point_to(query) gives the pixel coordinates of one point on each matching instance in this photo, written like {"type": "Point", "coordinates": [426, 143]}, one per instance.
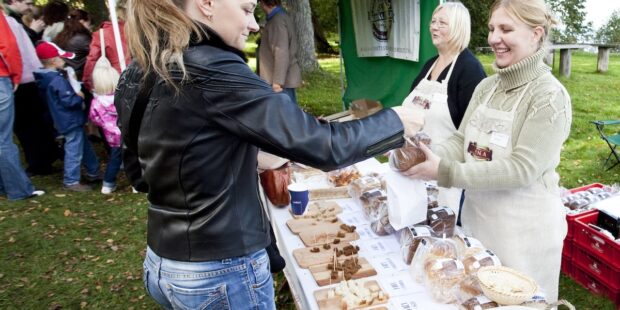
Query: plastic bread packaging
{"type": "Point", "coordinates": [365, 183]}
{"type": "Point", "coordinates": [380, 225]}
{"type": "Point", "coordinates": [479, 302]}
{"type": "Point", "coordinates": [481, 259]}
{"type": "Point", "coordinates": [432, 192]}
{"type": "Point", "coordinates": [410, 154]}
{"type": "Point", "coordinates": [409, 239]}
{"type": "Point", "coordinates": [344, 176]}
{"type": "Point", "coordinates": [431, 249]}
{"type": "Point", "coordinates": [372, 201]}
{"type": "Point", "coordinates": [466, 289]}
{"type": "Point", "coordinates": [442, 220]}
{"type": "Point", "coordinates": [441, 275]}
{"type": "Point", "coordinates": [467, 246]}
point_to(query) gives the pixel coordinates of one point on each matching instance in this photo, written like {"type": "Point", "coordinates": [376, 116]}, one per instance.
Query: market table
{"type": "Point", "coordinates": [565, 56]}
{"type": "Point", "coordinates": [383, 253]}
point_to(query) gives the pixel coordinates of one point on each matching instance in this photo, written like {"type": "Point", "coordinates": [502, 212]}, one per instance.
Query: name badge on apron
{"type": "Point", "coordinates": [499, 139]}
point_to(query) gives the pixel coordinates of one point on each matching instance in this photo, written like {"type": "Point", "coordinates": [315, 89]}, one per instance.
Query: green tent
{"type": "Point", "coordinates": [384, 79]}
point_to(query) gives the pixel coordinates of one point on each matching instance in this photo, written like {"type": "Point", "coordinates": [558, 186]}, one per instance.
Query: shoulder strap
{"type": "Point", "coordinates": [102, 43]}
{"type": "Point", "coordinates": [137, 112]}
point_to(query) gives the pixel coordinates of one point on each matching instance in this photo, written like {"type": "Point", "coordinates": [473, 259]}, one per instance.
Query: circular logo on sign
{"type": "Point", "coordinates": [381, 17]}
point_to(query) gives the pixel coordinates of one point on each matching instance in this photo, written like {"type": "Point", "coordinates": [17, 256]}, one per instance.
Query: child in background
{"type": "Point", "coordinates": [103, 114]}
{"type": "Point", "coordinates": [67, 109]}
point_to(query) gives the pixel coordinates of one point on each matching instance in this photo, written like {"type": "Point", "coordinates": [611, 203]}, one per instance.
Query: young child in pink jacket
{"type": "Point", "coordinates": [103, 114]}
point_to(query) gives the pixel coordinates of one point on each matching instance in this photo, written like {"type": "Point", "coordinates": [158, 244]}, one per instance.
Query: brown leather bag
{"type": "Point", "coordinates": [275, 184]}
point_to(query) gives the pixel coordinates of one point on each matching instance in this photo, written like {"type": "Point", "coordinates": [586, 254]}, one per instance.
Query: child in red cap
{"type": "Point", "coordinates": [69, 115]}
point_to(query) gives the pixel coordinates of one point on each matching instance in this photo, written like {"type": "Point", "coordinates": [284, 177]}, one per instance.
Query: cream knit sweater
{"type": "Point", "coordinates": [542, 124]}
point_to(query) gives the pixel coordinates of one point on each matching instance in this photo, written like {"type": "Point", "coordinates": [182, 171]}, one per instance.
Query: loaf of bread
{"type": "Point", "coordinates": [481, 259]}
{"type": "Point", "coordinates": [409, 239]}
{"type": "Point", "coordinates": [442, 220]}
{"type": "Point", "coordinates": [467, 246]}
{"type": "Point", "coordinates": [381, 223]}
{"type": "Point", "coordinates": [441, 276]}
{"type": "Point", "coordinates": [363, 184]}
{"type": "Point", "coordinates": [372, 201]}
{"type": "Point", "coordinates": [479, 302]}
{"type": "Point", "coordinates": [467, 288]}
{"type": "Point", "coordinates": [410, 154]}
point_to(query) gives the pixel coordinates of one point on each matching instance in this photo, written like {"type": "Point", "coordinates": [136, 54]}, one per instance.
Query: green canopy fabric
{"type": "Point", "coordinates": [384, 79]}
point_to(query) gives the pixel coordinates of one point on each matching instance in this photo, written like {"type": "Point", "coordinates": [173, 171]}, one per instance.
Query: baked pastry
{"type": "Point", "coordinates": [410, 154]}
{"type": "Point", "coordinates": [343, 177]}
{"type": "Point", "coordinates": [482, 259]}
{"type": "Point", "coordinates": [410, 238]}
{"type": "Point", "coordinates": [442, 220]}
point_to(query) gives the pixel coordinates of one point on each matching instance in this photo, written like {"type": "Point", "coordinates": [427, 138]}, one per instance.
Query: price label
{"type": "Point", "coordinates": [400, 285]}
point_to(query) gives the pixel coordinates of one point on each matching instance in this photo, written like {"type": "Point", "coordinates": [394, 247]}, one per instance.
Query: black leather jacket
{"type": "Point", "coordinates": [198, 151]}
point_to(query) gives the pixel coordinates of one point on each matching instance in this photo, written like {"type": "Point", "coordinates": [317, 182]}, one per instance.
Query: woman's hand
{"type": "Point", "coordinates": [412, 120]}
{"type": "Point", "coordinates": [428, 170]}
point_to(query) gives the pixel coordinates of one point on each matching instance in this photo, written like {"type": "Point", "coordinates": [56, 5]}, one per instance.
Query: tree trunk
{"type": "Point", "coordinates": [302, 17]}
{"type": "Point", "coordinates": [322, 45]}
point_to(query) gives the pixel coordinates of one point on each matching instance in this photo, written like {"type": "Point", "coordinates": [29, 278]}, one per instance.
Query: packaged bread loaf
{"type": "Point", "coordinates": [479, 302]}
{"type": "Point", "coordinates": [409, 239]}
{"type": "Point", "coordinates": [371, 202]}
{"type": "Point", "coordinates": [381, 223]}
{"type": "Point", "coordinates": [410, 154]}
{"type": "Point", "coordinates": [467, 246]}
{"type": "Point", "coordinates": [431, 249]}
{"type": "Point", "coordinates": [441, 276]}
{"type": "Point", "coordinates": [481, 259]}
{"type": "Point", "coordinates": [467, 288]}
{"type": "Point", "coordinates": [442, 220]}
{"type": "Point", "coordinates": [363, 184]}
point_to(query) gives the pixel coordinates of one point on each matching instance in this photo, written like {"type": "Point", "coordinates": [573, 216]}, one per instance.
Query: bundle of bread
{"type": "Point", "coordinates": [381, 223]}
{"type": "Point", "coordinates": [442, 220]}
{"type": "Point", "coordinates": [358, 293]}
{"type": "Point", "coordinates": [344, 176]}
{"type": "Point", "coordinates": [410, 154]}
{"type": "Point", "coordinates": [581, 200]}
{"type": "Point", "coordinates": [372, 201]}
{"type": "Point", "coordinates": [409, 239]}
{"type": "Point", "coordinates": [430, 249]}
{"type": "Point", "coordinates": [364, 184]}
{"type": "Point", "coordinates": [467, 246]}
{"type": "Point", "coordinates": [480, 259]}
{"type": "Point", "coordinates": [441, 275]}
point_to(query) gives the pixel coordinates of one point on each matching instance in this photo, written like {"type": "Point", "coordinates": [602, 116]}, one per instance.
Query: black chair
{"type": "Point", "coordinates": [612, 140]}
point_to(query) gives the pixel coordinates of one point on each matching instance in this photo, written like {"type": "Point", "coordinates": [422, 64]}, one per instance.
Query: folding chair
{"type": "Point", "coordinates": [612, 140]}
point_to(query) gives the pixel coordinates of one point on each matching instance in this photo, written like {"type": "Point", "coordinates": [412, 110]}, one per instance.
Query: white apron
{"type": "Point", "coordinates": [524, 226]}
{"type": "Point", "coordinates": [432, 98]}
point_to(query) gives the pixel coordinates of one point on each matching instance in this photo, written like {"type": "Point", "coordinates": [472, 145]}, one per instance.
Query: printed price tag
{"type": "Point", "coordinates": [378, 246]}
{"type": "Point", "coordinates": [400, 285]}
{"type": "Point", "coordinates": [365, 232]}
{"type": "Point", "coordinates": [404, 303]}
{"type": "Point", "coordinates": [420, 301]}
{"type": "Point", "coordinates": [356, 218]}
{"type": "Point", "coordinates": [389, 264]}
{"type": "Point", "coordinates": [349, 206]}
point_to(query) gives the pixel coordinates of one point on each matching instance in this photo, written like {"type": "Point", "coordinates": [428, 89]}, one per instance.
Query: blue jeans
{"type": "Point", "coordinates": [78, 151]}
{"type": "Point", "coordinates": [233, 283]}
{"type": "Point", "coordinates": [291, 93]}
{"type": "Point", "coordinates": [114, 165]}
{"type": "Point", "coordinates": [13, 180]}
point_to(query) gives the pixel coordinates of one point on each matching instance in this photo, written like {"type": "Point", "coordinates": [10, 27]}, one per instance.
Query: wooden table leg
{"type": "Point", "coordinates": [603, 59]}
{"type": "Point", "coordinates": [565, 62]}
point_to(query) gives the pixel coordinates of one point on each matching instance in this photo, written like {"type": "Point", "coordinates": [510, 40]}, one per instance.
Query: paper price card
{"type": "Point", "coordinates": [420, 301]}
{"type": "Point", "coordinates": [400, 285]}
{"type": "Point", "coordinates": [365, 232]}
{"type": "Point", "coordinates": [388, 264]}
{"type": "Point", "coordinates": [349, 206]}
{"type": "Point", "coordinates": [354, 218]}
{"type": "Point", "coordinates": [377, 246]}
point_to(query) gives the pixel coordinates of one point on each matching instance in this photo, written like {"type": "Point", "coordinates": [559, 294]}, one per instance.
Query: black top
{"type": "Point", "coordinates": [465, 77]}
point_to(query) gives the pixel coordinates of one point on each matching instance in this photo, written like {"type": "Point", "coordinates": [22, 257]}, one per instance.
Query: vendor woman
{"type": "Point", "coordinates": [508, 147]}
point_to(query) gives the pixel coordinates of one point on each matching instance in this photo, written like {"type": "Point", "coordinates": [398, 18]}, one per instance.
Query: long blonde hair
{"type": "Point", "coordinates": [158, 32]}
{"type": "Point", "coordinates": [533, 13]}
{"type": "Point", "coordinates": [105, 77]}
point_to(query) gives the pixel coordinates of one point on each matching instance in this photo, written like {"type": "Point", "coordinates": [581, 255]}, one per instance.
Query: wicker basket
{"type": "Point", "coordinates": [506, 286]}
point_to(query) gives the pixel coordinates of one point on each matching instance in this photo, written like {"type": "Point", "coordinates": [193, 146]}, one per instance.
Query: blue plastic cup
{"type": "Point", "coordinates": [299, 198]}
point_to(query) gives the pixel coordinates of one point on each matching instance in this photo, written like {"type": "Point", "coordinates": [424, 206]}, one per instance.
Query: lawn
{"type": "Point", "coordinates": [70, 250]}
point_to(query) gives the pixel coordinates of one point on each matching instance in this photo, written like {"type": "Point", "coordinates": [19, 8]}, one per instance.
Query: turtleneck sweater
{"type": "Point", "coordinates": [541, 125]}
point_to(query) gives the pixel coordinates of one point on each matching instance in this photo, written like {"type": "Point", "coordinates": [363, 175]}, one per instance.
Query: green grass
{"type": "Point", "coordinates": [85, 250]}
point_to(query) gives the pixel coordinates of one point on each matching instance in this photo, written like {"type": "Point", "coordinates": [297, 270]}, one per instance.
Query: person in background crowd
{"type": "Point", "coordinates": [32, 127]}
{"type": "Point", "coordinates": [278, 50]}
{"type": "Point", "coordinates": [207, 230]}
{"type": "Point", "coordinates": [444, 86]}
{"type": "Point", "coordinates": [67, 108]}
{"type": "Point", "coordinates": [14, 183]}
{"type": "Point", "coordinates": [76, 38]}
{"type": "Point", "coordinates": [17, 9]}
{"type": "Point", "coordinates": [55, 13]}
{"type": "Point", "coordinates": [111, 50]}
{"type": "Point", "coordinates": [508, 147]}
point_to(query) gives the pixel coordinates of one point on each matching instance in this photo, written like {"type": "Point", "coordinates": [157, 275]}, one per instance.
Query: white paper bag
{"type": "Point", "coordinates": [407, 200]}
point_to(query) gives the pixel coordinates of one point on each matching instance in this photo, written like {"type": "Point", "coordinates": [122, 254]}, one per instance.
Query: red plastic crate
{"type": "Point", "coordinates": [594, 242]}
{"type": "Point", "coordinates": [567, 249]}
{"type": "Point", "coordinates": [594, 265]}
{"type": "Point", "coordinates": [570, 218]}
{"type": "Point", "coordinates": [567, 266]}
{"type": "Point", "coordinates": [595, 285]}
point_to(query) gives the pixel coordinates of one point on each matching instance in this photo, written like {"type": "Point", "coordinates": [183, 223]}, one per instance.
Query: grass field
{"type": "Point", "coordinates": [70, 250]}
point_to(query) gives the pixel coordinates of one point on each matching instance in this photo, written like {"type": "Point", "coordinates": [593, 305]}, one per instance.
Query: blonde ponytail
{"type": "Point", "coordinates": [158, 32]}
